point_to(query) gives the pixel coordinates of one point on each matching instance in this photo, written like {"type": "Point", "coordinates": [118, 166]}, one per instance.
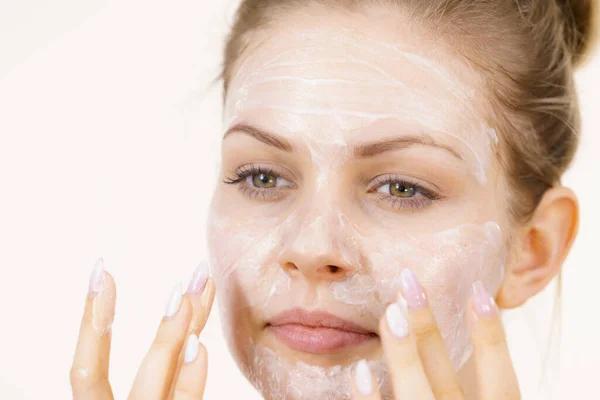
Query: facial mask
{"type": "Point", "coordinates": [328, 91]}
{"type": "Point", "coordinates": [306, 381]}
{"type": "Point", "coordinates": [421, 100]}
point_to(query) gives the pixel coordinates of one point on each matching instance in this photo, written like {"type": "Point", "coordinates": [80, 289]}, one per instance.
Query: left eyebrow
{"type": "Point", "coordinates": [372, 149]}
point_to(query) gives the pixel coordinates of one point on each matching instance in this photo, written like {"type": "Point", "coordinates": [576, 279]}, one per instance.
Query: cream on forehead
{"type": "Point", "coordinates": [344, 81]}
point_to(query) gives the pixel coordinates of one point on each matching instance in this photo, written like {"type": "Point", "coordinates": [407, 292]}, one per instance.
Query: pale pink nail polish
{"type": "Point", "coordinates": [411, 290]}
{"type": "Point", "coordinates": [96, 277]}
{"type": "Point", "coordinates": [484, 304]}
{"type": "Point", "coordinates": [198, 280]}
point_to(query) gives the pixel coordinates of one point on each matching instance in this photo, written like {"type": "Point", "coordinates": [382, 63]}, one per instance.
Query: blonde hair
{"type": "Point", "coordinates": [529, 50]}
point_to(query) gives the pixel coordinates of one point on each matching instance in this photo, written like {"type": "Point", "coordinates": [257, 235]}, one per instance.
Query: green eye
{"type": "Point", "coordinates": [264, 181]}
{"type": "Point", "coordinates": [400, 190]}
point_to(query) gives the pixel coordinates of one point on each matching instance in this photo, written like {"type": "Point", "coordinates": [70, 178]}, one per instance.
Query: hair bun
{"type": "Point", "coordinates": [580, 21]}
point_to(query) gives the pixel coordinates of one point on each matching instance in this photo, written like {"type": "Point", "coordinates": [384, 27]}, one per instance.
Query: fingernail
{"type": "Point", "coordinates": [191, 349]}
{"type": "Point", "coordinates": [484, 304]}
{"type": "Point", "coordinates": [198, 280]}
{"type": "Point", "coordinates": [174, 301]}
{"type": "Point", "coordinates": [396, 320]}
{"type": "Point", "coordinates": [401, 301]}
{"type": "Point", "coordinates": [364, 381]}
{"type": "Point", "coordinates": [412, 290]}
{"type": "Point", "coordinates": [96, 277]}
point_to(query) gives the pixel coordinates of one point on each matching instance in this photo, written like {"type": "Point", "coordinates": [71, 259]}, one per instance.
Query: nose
{"type": "Point", "coordinates": [319, 248]}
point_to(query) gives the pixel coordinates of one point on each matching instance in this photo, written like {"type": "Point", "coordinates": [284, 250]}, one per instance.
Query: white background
{"type": "Point", "coordinates": [109, 134]}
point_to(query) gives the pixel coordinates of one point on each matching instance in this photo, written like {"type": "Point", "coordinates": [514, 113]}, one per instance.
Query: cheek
{"type": "Point", "coordinates": [447, 264]}
{"type": "Point", "coordinates": [243, 256]}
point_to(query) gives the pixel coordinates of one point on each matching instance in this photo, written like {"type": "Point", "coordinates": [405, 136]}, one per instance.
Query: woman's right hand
{"type": "Point", "coordinates": [175, 366]}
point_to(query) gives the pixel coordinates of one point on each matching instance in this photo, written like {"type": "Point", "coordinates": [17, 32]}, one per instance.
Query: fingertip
{"type": "Point", "coordinates": [100, 306]}
{"type": "Point", "coordinates": [191, 349]}
{"type": "Point", "coordinates": [363, 379]}
{"type": "Point", "coordinates": [209, 289]}
{"type": "Point", "coordinates": [109, 283]}
{"type": "Point", "coordinates": [483, 303]}
{"type": "Point", "coordinates": [208, 295]}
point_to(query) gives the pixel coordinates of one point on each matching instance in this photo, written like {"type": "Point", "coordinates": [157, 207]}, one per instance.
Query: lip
{"type": "Point", "coordinates": [317, 332]}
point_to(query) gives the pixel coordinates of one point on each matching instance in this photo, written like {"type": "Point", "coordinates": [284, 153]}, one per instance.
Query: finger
{"type": "Point", "coordinates": [155, 376]}
{"type": "Point", "coordinates": [89, 372]}
{"type": "Point", "coordinates": [192, 375]}
{"type": "Point", "coordinates": [201, 291]}
{"type": "Point", "coordinates": [408, 377]}
{"type": "Point", "coordinates": [432, 350]}
{"type": "Point", "coordinates": [495, 374]}
{"type": "Point", "coordinates": [364, 386]}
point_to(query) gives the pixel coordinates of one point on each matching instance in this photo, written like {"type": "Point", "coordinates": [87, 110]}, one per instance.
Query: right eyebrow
{"type": "Point", "coordinates": [262, 136]}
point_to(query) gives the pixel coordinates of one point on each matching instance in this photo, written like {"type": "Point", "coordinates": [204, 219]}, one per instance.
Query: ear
{"type": "Point", "coordinates": [542, 247]}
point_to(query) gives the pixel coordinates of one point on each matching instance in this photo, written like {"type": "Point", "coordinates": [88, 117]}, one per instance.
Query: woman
{"type": "Point", "coordinates": [390, 172]}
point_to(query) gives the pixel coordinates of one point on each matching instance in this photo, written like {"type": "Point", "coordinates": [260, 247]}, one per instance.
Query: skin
{"type": "Point", "coordinates": [163, 374]}
{"type": "Point", "coordinates": [330, 209]}
{"type": "Point", "coordinates": [535, 250]}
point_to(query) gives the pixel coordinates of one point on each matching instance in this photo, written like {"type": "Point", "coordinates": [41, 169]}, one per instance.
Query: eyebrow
{"type": "Point", "coordinates": [262, 136]}
{"type": "Point", "coordinates": [373, 149]}
{"type": "Point", "coordinates": [361, 151]}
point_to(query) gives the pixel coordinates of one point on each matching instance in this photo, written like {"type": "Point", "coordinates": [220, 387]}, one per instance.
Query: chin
{"type": "Point", "coordinates": [278, 377]}
{"type": "Point", "coordinates": [280, 371]}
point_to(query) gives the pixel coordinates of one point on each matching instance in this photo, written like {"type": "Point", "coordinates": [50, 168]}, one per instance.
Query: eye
{"type": "Point", "coordinates": [400, 193]}
{"type": "Point", "coordinates": [264, 181]}
{"type": "Point", "coordinates": [399, 189]}
{"type": "Point", "coordinates": [257, 182]}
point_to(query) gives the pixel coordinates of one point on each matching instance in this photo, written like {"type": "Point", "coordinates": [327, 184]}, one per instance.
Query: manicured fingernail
{"type": "Point", "coordinates": [364, 381]}
{"type": "Point", "coordinates": [102, 290]}
{"type": "Point", "coordinates": [174, 301]}
{"type": "Point", "coordinates": [191, 349]}
{"type": "Point", "coordinates": [396, 320]}
{"type": "Point", "coordinates": [401, 301]}
{"type": "Point", "coordinates": [484, 304]}
{"type": "Point", "coordinates": [198, 280]}
{"type": "Point", "coordinates": [412, 290]}
{"type": "Point", "coordinates": [96, 277]}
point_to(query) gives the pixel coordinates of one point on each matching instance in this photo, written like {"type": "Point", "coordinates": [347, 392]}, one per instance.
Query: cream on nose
{"type": "Point", "coordinates": [313, 247]}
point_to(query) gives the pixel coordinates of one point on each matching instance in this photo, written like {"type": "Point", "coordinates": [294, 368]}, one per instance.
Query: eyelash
{"type": "Point", "coordinates": [423, 196]}
{"type": "Point", "coordinates": [252, 192]}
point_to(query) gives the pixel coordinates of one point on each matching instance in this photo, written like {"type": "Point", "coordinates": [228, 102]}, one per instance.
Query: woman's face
{"type": "Point", "coordinates": [351, 151]}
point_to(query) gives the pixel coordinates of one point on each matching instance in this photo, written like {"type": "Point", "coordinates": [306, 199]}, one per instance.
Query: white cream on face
{"type": "Point", "coordinates": [307, 381]}
{"type": "Point", "coordinates": [296, 74]}
{"type": "Point", "coordinates": [325, 87]}
{"type": "Point", "coordinates": [247, 261]}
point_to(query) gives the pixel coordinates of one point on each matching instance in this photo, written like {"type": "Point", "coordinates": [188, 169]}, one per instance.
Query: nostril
{"type": "Point", "coordinates": [333, 269]}
{"type": "Point", "coordinates": [291, 266]}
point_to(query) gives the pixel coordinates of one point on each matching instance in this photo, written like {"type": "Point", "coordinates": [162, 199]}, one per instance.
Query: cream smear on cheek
{"type": "Point", "coordinates": [246, 261]}
{"type": "Point", "coordinates": [246, 253]}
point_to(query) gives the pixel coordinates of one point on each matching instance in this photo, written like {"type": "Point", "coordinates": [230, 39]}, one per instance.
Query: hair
{"type": "Point", "coordinates": [528, 51]}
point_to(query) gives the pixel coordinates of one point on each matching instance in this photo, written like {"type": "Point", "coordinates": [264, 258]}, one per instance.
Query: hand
{"type": "Point", "coordinates": [420, 368]}
{"type": "Point", "coordinates": [169, 369]}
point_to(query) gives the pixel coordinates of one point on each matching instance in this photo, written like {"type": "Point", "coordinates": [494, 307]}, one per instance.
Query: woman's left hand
{"type": "Point", "coordinates": [420, 368]}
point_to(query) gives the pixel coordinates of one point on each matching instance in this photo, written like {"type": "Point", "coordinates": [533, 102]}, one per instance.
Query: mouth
{"type": "Point", "coordinates": [317, 332]}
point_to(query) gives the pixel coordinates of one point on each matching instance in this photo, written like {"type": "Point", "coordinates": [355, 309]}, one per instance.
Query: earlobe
{"type": "Point", "coordinates": [542, 247]}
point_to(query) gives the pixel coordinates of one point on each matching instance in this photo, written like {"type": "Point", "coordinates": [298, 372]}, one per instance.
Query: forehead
{"type": "Point", "coordinates": [338, 69]}
{"type": "Point", "coordinates": [340, 79]}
